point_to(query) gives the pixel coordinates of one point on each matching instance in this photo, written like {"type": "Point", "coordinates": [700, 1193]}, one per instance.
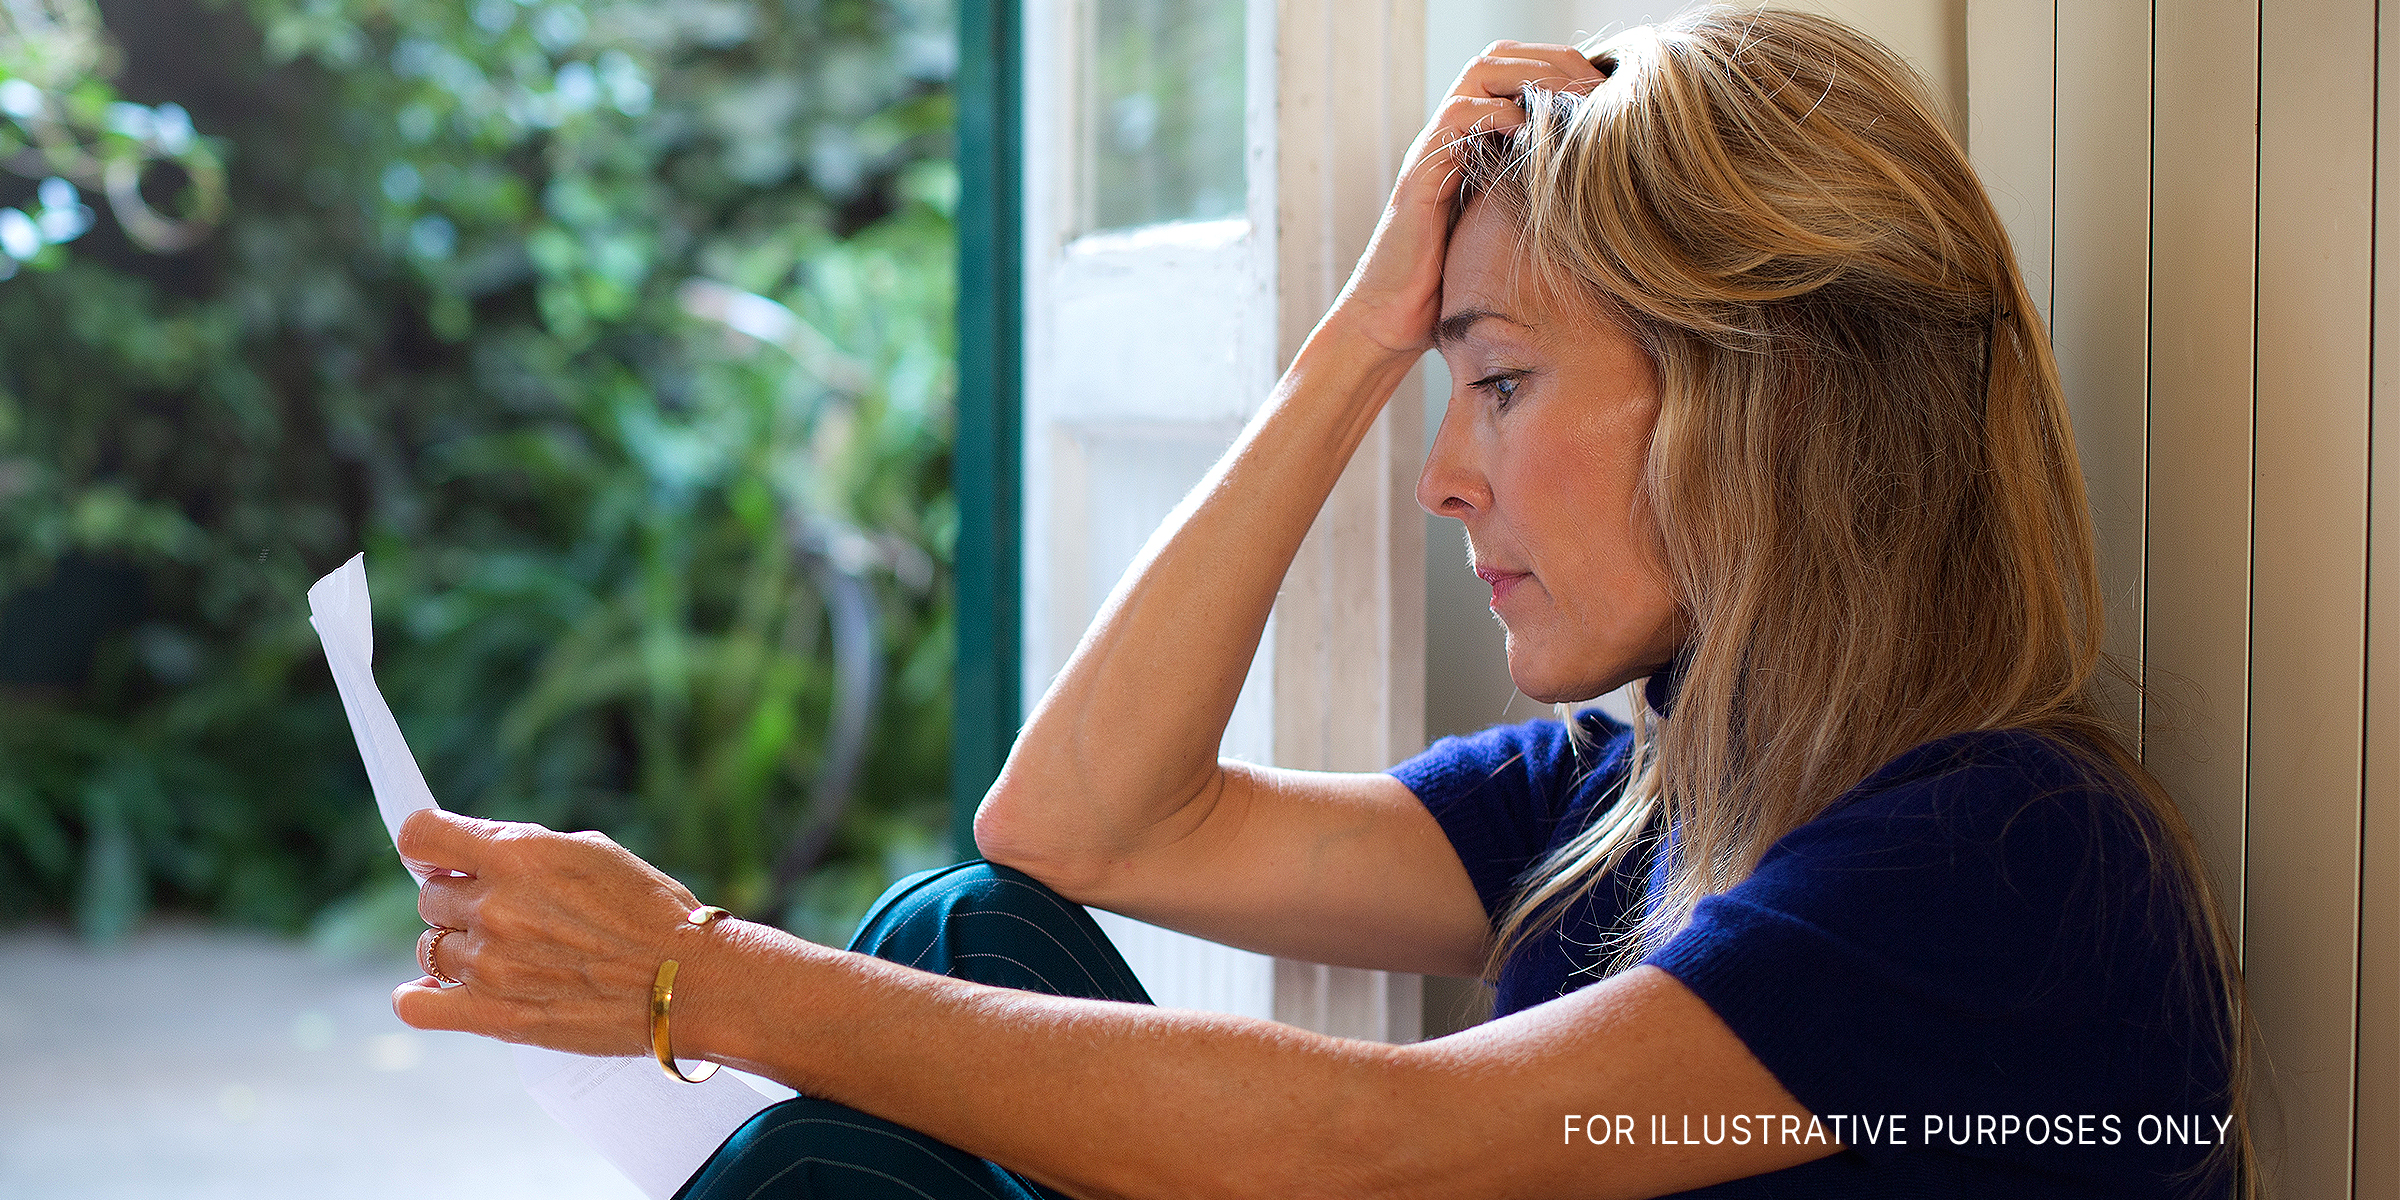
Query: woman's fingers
{"type": "Point", "coordinates": [558, 934]}
{"type": "Point", "coordinates": [1487, 95]}
{"type": "Point", "coordinates": [429, 945]}
{"type": "Point", "coordinates": [1566, 60]}
{"type": "Point", "coordinates": [1394, 295]}
{"type": "Point", "coordinates": [1466, 116]}
{"type": "Point", "coordinates": [1507, 74]}
{"type": "Point", "coordinates": [576, 996]}
{"type": "Point", "coordinates": [1428, 176]}
{"type": "Point", "coordinates": [425, 1004]}
{"type": "Point", "coordinates": [438, 841]}
{"type": "Point", "coordinates": [450, 900]}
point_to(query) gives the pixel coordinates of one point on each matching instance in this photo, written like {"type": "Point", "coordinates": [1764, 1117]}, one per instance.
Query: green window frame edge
{"type": "Point", "coordinates": [986, 461]}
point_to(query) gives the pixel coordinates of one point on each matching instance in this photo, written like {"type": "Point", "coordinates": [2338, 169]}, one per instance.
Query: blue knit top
{"type": "Point", "coordinates": [1968, 968]}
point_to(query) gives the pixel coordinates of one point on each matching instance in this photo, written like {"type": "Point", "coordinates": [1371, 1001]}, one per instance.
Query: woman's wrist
{"type": "Point", "coordinates": [711, 1016]}
{"type": "Point", "coordinates": [1345, 356]}
{"type": "Point", "coordinates": [1370, 333]}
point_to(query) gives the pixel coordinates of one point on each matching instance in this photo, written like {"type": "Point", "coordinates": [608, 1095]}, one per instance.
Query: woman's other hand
{"type": "Point", "coordinates": [1395, 294]}
{"type": "Point", "coordinates": [559, 935]}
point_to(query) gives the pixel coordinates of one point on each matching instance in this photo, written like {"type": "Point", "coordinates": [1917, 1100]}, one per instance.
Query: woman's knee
{"type": "Point", "coordinates": [820, 1150]}
{"type": "Point", "coordinates": [995, 924]}
{"type": "Point", "coordinates": [902, 898]}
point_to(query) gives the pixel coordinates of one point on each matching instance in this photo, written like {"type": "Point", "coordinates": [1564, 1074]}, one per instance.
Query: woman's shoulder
{"type": "Point", "coordinates": [1999, 784]}
{"type": "Point", "coordinates": [2031, 757]}
{"type": "Point", "coordinates": [1544, 756]}
{"type": "Point", "coordinates": [2017, 822]}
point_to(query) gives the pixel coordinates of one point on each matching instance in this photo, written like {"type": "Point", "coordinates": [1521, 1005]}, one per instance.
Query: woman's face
{"type": "Point", "coordinates": [1541, 454]}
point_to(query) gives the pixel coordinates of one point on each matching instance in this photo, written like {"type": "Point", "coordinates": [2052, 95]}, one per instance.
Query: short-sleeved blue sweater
{"type": "Point", "coordinates": [1975, 933]}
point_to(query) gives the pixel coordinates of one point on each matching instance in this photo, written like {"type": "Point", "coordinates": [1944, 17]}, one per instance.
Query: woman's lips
{"type": "Point", "coordinates": [1503, 582]}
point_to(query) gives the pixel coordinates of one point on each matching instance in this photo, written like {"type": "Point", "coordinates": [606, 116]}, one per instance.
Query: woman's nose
{"type": "Point", "coordinates": [1452, 484]}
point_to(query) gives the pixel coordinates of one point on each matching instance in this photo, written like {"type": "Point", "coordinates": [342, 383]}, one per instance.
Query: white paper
{"type": "Point", "coordinates": [345, 623]}
{"type": "Point", "coordinates": [654, 1129]}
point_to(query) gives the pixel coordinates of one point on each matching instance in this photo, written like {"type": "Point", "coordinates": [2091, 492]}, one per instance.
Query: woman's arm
{"type": "Point", "coordinates": [1114, 794]}
{"type": "Point", "coordinates": [564, 931]}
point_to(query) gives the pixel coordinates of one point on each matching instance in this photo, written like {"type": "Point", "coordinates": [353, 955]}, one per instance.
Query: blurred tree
{"type": "Point", "coordinates": [618, 334]}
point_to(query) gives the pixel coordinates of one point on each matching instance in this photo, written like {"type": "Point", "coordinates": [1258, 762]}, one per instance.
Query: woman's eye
{"type": "Point", "coordinates": [1502, 387]}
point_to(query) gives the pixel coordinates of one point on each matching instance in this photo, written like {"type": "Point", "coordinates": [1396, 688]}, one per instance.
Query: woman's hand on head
{"type": "Point", "coordinates": [559, 935]}
{"type": "Point", "coordinates": [1395, 294]}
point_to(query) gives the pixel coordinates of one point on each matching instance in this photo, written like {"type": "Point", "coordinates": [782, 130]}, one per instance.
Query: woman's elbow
{"type": "Point", "coordinates": [1084, 835]}
{"type": "Point", "coordinates": [1013, 829]}
{"type": "Point", "coordinates": [1003, 827]}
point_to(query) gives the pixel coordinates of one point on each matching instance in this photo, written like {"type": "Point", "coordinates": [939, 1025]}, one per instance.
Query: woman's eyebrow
{"type": "Point", "coordinates": [1455, 326]}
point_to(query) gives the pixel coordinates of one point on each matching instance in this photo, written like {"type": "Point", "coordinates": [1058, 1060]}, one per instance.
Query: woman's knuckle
{"type": "Point", "coordinates": [515, 833]}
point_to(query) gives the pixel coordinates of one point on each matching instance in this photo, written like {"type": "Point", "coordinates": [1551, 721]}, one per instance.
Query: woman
{"type": "Point", "coordinates": [1751, 404]}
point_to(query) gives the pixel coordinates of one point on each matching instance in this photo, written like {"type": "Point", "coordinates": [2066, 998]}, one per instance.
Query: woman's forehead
{"type": "Point", "coordinates": [1488, 276]}
{"type": "Point", "coordinates": [1486, 271]}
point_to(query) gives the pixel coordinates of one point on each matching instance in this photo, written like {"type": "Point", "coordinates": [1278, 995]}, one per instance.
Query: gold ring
{"type": "Point", "coordinates": [433, 944]}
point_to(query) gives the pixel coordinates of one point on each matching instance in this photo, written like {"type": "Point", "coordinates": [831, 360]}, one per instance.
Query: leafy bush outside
{"type": "Point", "coordinates": [617, 334]}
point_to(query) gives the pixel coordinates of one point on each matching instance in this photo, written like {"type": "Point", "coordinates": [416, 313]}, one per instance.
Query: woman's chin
{"type": "Point", "coordinates": [1548, 682]}
{"type": "Point", "coordinates": [1548, 688]}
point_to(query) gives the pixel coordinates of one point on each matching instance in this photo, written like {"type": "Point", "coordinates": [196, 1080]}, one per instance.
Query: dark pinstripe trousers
{"type": "Point", "coordinates": [975, 920]}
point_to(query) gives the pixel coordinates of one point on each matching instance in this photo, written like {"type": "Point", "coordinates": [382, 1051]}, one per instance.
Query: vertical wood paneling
{"type": "Point", "coordinates": [2377, 1138]}
{"type": "Point", "coordinates": [2011, 80]}
{"type": "Point", "coordinates": [2376, 1141]}
{"type": "Point", "coordinates": [2100, 290]}
{"type": "Point", "coordinates": [2203, 278]}
{"type": "Point", "coordinates": [2308, 586]}
{"type": "Point", "coordinates": [2267, 564]}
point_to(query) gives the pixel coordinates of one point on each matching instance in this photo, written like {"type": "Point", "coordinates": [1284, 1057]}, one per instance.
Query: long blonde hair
{"type": "Point", "coordinates": [1864, 482]}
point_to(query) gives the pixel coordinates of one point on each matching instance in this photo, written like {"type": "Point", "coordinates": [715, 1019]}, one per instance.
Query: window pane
{"type": "Point", "coordinates": [1163, 115]}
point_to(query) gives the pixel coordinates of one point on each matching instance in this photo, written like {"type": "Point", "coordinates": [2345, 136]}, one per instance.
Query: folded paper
{"type": "Point", "coordinates": [654, 1129]}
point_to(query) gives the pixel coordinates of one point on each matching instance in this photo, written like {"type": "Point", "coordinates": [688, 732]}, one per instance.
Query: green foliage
{"type": "Point", "coordinates": [617, 334]}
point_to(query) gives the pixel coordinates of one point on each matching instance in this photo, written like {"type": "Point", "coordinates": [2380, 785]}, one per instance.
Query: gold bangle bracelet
{"type": "Point", "coordinates": [662, 994]}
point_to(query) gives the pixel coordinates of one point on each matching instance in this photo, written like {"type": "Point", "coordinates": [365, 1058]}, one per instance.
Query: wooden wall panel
{"type": "Point", "coordinates": [2308, 591]}
{"type": "Point", "coordinates": [2266, 566]}
{"type": "Point", "coordinates": [2376, 1141]}
{"type": "Point", "coordinates": [2204, 265]}
{"type": "Point", "coordinates": [2011, 83]}
{"type": "Point", "coordinates": [2100, 290]}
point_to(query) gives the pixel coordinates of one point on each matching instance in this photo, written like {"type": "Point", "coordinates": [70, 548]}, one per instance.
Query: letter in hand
{"type": "Point", "coordinates": [562, 935]}
{"type": "Point", "coordinates": [1395, 294]}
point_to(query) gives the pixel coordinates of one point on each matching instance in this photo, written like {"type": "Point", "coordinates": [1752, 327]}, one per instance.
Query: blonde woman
{"type": "Point", "coordinates": [1871, 901]}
